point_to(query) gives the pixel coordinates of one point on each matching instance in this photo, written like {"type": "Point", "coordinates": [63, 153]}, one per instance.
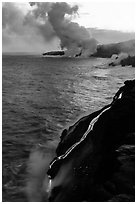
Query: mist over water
{"type": "Point", "coordinates": [41, 96]}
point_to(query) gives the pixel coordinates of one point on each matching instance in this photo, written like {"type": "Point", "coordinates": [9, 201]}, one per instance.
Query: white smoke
{"type": "Point", "coordinates": [116, 59]}
{"type": "Point", "coordinates": [46, 22]}
{"type": "Point", "coordinates": [37, 167]}
{"type": "Point", "coordinates": [23, 32]}
{"type": "Point", "coordinates": [73, 38]}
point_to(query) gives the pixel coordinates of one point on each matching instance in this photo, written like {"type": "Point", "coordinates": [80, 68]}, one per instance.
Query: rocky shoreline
{"type": "Point", "coordinates": [130, 60]}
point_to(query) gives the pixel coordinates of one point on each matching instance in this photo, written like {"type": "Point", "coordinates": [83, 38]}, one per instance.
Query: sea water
{"type": "Point", "coordinates": [40, 97]}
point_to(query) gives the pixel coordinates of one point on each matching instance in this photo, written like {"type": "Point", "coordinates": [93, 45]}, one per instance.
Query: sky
{"type": "Point", "coordinates": [108, 15]}
{"type": "Point", "coordinates": [22, 31]}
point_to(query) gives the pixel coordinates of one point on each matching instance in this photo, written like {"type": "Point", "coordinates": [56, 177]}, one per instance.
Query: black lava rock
{"type": "Point", "coordinates": [97, 164]}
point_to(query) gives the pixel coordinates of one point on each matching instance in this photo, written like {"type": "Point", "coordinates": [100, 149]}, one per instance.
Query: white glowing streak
{"type": "Point", "coordinates": [120, 96]}
{"type": "Point", "coordinates": [90, 127]}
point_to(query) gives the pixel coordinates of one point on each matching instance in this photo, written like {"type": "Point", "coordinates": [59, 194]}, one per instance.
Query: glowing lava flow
{"type": "Point", "coordinates": [90, 127]}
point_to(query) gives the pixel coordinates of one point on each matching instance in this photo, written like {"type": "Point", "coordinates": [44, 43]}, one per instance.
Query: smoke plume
{"type": "Point", "coordinates": [74, 38]}
{"type": "Point", "coordinates": [116, 59]}
{"type": "Point", "coordinates": [47, 22]}
{"type": "Point", "coordinates": [21, 31]}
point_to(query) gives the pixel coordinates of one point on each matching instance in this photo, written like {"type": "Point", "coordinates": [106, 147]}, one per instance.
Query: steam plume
{"type": "Point", "coordinates": [22, 30]}
{"type": "Point", "coordinates": [37, 166]}
{"type": "Point", "coordinates": [73, 38]}
{"type": "Point", "coordinates": [116, 59]}
{"type": "Point", "coordinates": [46, 26]}
{"type": "Point", "coordinates": [50, 22]}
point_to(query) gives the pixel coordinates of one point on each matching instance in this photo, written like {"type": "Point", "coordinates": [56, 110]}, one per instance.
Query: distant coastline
{"type": "Point", "coordinates": [104, 50]}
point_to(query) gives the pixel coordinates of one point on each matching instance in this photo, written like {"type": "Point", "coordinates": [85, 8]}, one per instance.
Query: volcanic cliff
{"type": "Point", "coordinates": [95, 156]}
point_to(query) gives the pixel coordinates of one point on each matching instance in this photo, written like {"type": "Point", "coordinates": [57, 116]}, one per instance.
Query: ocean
{"type": "Point", "coordinates": [40, 97]}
